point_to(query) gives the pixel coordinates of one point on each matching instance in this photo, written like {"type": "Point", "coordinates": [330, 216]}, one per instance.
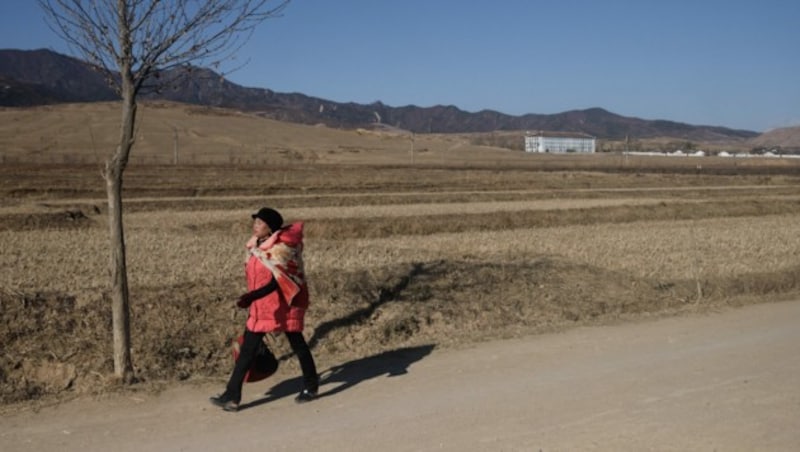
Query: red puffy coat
{"type": "Point", "coordinates": [279, 257]}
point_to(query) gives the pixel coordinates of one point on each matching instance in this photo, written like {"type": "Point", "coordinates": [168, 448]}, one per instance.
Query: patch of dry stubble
{"type": "Point", "coordinates": [387, 268]}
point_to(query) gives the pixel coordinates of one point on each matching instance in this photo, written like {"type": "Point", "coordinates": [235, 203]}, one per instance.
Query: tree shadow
{"type": "Point", "coordinates": [344, 376]}
{"type": "Point", "coordinates": [385, 295]}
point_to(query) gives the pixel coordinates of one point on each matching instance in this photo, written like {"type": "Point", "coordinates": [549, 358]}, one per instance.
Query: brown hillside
{"type": "Point", "coordinates": [785, 137]}
{"type": "Point", "coordinates": [85, 133]}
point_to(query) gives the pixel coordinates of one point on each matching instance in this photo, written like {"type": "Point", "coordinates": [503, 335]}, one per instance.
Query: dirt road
{"type": "Point", "coordinates": [728, 381]}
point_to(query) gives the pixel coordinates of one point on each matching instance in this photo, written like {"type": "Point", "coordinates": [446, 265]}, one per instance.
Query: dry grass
{"type": "Point", "coordinates": [397, 255]}
{"type": "Point", "coordinates": [82, 134]}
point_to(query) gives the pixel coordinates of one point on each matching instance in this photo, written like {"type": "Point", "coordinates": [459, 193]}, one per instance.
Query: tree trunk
{"type": "Point", "coordinates": [120, 308]}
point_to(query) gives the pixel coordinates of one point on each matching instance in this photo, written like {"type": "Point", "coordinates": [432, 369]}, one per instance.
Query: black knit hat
{"type": "Point", "coordinates": [270, 216]}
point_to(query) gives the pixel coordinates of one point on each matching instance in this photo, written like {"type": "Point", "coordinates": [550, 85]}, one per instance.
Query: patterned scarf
{"type": "Point", "coordinates": [282, 254]}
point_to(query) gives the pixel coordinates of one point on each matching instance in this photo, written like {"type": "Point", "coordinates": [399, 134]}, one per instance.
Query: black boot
{"type": "Point", "coordinates": [225, 402]}
{"type": "Point", "coordinates": [305, 396]}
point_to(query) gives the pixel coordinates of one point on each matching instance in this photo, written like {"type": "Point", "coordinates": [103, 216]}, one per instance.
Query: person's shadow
{"type": "Point", "coordinates": [390, 363]}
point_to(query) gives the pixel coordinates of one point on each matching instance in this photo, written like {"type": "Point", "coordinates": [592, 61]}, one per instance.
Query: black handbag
{"type": "Point", "coordinates": [264, 363]}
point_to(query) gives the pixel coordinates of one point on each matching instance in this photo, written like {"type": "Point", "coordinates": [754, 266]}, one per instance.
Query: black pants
{"type": "Point", "coordinates": [248, 351]}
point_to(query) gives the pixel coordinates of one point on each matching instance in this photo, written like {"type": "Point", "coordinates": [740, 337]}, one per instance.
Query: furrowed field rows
{"type": "Point", "coordinates": [158, 256]}
{"type": "Point", "coordinates": [193, 203]}
{"type": "Point", "coordinates": [53, 183]}
{"type": "Point", "coordinates": [406, 210]}
{"type": "Point", "coordinates": [672, 249]}
{"type": "Point", "coordinates": [375, 220]}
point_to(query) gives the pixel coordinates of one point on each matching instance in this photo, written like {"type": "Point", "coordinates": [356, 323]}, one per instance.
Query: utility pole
{"type": "Point", "coordinates": [626, 150]}
{"type": "Point", "coordinates": [412, 148]}
{"type": "Point", "coordinates": [174, 146]}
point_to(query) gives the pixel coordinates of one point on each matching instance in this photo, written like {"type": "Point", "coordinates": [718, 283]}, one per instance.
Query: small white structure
{"type": "Point", "coordinates": [560, 142]}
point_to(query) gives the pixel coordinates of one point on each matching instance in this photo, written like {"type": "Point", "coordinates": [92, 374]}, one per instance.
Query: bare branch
{"type": "Point", "coordinates": [147, 37]}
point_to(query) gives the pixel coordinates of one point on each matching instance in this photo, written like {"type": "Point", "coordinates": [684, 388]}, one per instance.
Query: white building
{"type": "Point", "coordinates": [559, 142]}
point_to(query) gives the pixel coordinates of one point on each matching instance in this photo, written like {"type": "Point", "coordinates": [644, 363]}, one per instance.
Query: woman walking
{"type": "Point", "coordinates": [277, 300]}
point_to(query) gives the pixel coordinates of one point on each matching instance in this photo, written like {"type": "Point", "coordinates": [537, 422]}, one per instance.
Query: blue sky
{"type": "Point", "coordinates": [730, 63]}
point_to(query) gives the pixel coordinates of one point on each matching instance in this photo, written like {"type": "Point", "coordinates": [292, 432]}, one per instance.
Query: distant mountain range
{"type": "Point", "coordinates": [40, 77]}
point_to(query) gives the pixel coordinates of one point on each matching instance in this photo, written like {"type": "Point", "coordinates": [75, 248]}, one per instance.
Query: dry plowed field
{"type": "Point", "coordinates": [397, 256]}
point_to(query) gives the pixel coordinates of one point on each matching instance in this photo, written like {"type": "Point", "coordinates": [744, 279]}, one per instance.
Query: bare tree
{"type": "Point", "coordinates": [133, 42]}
